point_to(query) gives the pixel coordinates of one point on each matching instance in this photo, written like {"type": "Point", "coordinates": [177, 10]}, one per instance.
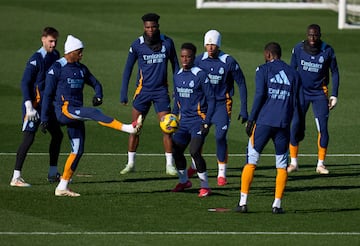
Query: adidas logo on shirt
{"type": "Point", "coordinates": [280, 78]}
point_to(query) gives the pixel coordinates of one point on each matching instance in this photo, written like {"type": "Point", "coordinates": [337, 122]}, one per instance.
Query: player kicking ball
{"type": "Point", "coordinates": [65, 81]}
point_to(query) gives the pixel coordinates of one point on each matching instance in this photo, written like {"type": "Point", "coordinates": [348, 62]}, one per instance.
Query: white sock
{"type": "Point", "coordinates": [294, 161]}
{"type": "Point", "coordinates": [128, 128]}
{"type": "Point", "coordinates": [243, 199]}
{"type": "Point", "coordinates": [183, 178]}
{"type": "Point", "coordinates": [131, 158]}
{"type": "Point", "coordinates": [222, 170]}
{"type": "Point", "coordinates": [53, 170]}
{"type": "Point", "coordinates": [17, 174]}
{"type": "Point", "coordinates": [62, 184]}
{"type": "Point", "coordinates": [277, 203]}
{"type": "Point", "coordinates": [169, 159]}
{"type": "Point", "coordinates": [203, 180]}
{"type": "Point", "coordinates": [320, 163]}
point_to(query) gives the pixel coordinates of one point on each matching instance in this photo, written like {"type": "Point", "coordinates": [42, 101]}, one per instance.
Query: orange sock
{"type": "Point", "coordinates": [281, 178]}
{"type": "Point", "coordinates": [68, 172]}
{"type": "Point", "coordinates": [115, 124]}
{"type": "Point", "coordinates": [294, 151]}
{"type": "Point", "coordinates": [321, 150]}
{"type": "Point", "coordinates": [247, 177]}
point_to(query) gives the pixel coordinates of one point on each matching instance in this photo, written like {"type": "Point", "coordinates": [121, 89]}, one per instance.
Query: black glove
{"type": "Point", "coordinates": [204, 129]}
{"type": "Point", "coordinates": [243, 119]}
{"type": "Point", "coordinates": [249, 127]}
{"type": "Point", "coordinates": [96, 101]}
{"type": "Point", "coordinates": [44, 126]}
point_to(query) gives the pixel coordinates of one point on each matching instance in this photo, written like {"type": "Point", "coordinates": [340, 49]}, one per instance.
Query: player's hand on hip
{"type": "Point", "coordinates": [332, 102]}
{"type": "Point", "coordinates": [31, 113]}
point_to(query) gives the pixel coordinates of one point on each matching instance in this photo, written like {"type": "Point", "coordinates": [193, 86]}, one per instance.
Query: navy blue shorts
{"type": "Point", "coordinates": [161, 100]}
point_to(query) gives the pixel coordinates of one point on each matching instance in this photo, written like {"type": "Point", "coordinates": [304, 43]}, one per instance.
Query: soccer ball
{"type": "Point", "coordinates": [169, 123]}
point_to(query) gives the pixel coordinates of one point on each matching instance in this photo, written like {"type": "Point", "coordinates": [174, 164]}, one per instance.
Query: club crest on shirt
{"type": "Point", "coordinates": [321, 59]}
{"type": "Point", "coordinates": [191, 84]}
{"type": "Point", "coordinates": [221, 70]}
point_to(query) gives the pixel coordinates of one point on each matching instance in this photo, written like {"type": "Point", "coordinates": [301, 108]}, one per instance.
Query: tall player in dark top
{"type": "Point", "coordinates": [277, 99]}
{"type": "Point", "coordinates": [152, 51]}
{"type": "Point", "coordinates": [314, 59]}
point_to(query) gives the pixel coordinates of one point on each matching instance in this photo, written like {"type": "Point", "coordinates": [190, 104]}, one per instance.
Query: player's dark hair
{"type": "Point", "coordinates": [274, 48]}
{"type": "Point", "coordinates": [50, 31]}
{"type": "Point", "coordinates": [189, 46]}
{"type": "Point", "coordinates": [315, 27]}
{"type": "Point", "coordinates": [151, 17]}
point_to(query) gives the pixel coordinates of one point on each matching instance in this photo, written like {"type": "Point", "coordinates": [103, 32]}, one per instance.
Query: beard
{"type": "Point", "coordinates": [154, 42]}
{"type": "Point", "coordinates": [312, 50]}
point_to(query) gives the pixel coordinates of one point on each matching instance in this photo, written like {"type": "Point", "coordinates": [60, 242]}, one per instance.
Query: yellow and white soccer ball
{"type": "Point", "coordinates": [169, 123]}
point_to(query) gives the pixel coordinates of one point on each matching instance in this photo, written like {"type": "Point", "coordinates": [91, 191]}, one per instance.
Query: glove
{"type": "Point", "coordinates": [44, 126]}
{"type": "Point", "coordinates": [249, 127]}
{"type": "Point", "coordinates": [31, 113]}
{"type": "Point", "coordinates": [332, 102]}
{"type": "Point", "coordinates": [97, 101]}
{"type": "Point", "coordinates": [204, 129]}
{"type": "Point", "coordinates": [244, 119]}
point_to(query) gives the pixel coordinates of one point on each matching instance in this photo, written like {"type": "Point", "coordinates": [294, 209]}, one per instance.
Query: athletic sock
{"type": "Point", "coordinates": [203, 180]}
{"type": "Point", "coordinates": [53, 170]}
{"type": "Point", "coordinates": [183, 178]}
{"type": "Point", "coordinates": [17, 174]}
{"type": "Point", "coordinates": [243, 199]}
{"type": "Point", "coordinates": [281, 178]}
{"type": "Point", "coordinates": [131, 158]}
{"type": "Point", "coordinates": [222, 170]}
{"type": "Point", "coordinates": [169, 159]}
{"type": "Point", "coordinates": [247, 177]}
{"type": "Point", "coordinates": [277, 203]}
{"type": "Point", "coordinates": [63, 184]}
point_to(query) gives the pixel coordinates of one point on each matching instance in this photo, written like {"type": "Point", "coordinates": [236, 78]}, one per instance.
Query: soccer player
{"type": "Point", "coordinates": [65, 82]}
{"type": "Point", "coordinates": [32, 87]}
{"type": "Point", "coordinates": [314, 58]}
{"type": "Point", "coordinates": [152, 51]}
{"type": "Point", "coordinates": [277, 98]}
{"type": "Point", "coordinates": [194, 102]}
{"type": "Point", "coordinates": [222, 70]}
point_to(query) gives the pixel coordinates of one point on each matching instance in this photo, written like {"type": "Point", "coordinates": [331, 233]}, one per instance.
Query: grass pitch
{"type": "Point", "coordinates": [139, 209]}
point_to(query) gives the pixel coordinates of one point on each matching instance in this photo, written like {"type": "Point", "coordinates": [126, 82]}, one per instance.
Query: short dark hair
{"type": "Point", "coordinates": [151, 17]}
{"type": "Point", "coordinates": [274, 48]}
{"type": "Point", "coordinates": [189, 46]}
{"type": "Point", "coordinates": [50, 31]}
{"type": "Point", "coordinates": [315, 27]}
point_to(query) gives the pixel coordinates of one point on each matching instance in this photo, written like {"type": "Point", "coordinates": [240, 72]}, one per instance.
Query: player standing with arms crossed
{"type": "Point", "coordinates": [277, 98]}
{"type": "Point", "coordinates": [194, 102]}
{"type": "Point", "coordinates": [222, 70]}
{"type": "Point", "coordinates": [65, 83]}
{"type": "Point", "coordinates": [32, 86]}
{"type": "Point", "coordinates": [152, 51]}
{"type": "Point", "coordinates": [314, 58]}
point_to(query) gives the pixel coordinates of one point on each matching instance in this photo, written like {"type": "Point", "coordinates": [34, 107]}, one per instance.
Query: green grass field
{"type": "Point", "coordinates": [139, 209]}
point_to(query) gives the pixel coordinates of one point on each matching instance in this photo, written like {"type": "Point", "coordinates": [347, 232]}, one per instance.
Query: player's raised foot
{"type": "Point", "coordinates": [241, 209]}
{"type": "Point", "coordinates": [204, 192]}
{"type": "Point", "coordinates": [19, 182]}
{"type": "Point", "coordinates": [276, 210]}
{"type": "Point", "coordinates": [137, 124]}
{"type": "Point", "coordinates": [66, 192]}
{"type": "Point", "coordinates": [292, 168]}
{"type": "Point", "coordinates": [221, 181]}
{"type": "Point", "coordinates": [54, 178]}
{"type": "Point", "coordinates": [182, 186]}
{"type": "Point", "coordinates": [191, 172]}
{"type": "Point", "coordinates": [171, 170]}
{"type": "Point", "coordinates": [129, 168]}
{"type": "Point", "coordinates": [322, 170]}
